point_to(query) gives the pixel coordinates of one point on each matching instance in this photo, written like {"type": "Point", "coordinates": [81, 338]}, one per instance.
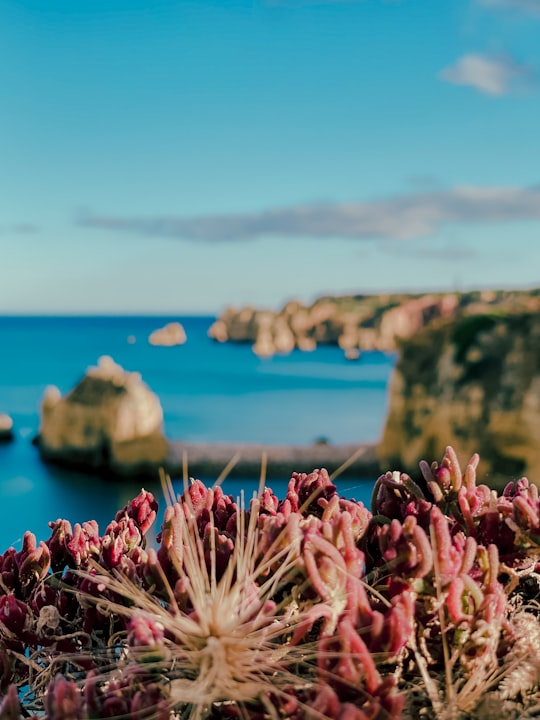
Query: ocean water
{"type": "Point", "coordinates": [209, 392]}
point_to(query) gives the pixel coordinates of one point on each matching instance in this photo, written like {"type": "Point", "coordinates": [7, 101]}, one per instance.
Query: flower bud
{"type": "Point", "coordinates": [15, 616]}
{"type": "Point", "coordinates": [62, 700]}
{"type": "Point", "coordinates": [142, 510]}
{"type": "Point", "coordinates": [35, 565]}
{"type": "Point", "coordinates": [10, 707]}
{"type": "Point", "coordinates": [57, 543]}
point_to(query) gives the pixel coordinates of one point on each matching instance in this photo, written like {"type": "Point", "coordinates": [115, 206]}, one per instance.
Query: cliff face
{"type": "Point", "coordinates": [373, 324]}
{"type": "Point", "coordinates": [475, 384]}
{"type": "Point", "coordinates": [359, 322]}
{"type": "Point", "coordinates": [110, 421]}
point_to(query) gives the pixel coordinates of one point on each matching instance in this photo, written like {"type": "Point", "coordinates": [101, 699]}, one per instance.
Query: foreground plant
{"type": "Point", "coordinates": [212, 634]}
{"type": "Point", "coordinates": [307, 607]}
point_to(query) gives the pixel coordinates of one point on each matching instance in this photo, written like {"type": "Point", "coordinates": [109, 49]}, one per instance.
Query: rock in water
{"type": "Point", "coordinates": [172, 334]}
{"type": "Point", "coordinates": [110, 422]}
{"type": "Point", "coordinates": [6, 428]}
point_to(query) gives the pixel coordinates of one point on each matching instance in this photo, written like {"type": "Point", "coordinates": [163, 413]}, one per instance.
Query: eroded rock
{"type": "Point", "coordinates": [111, 422]}
{"type": "Point", "coordinates": [6, 428]}
{"type": "Point", "coordinates": [473, 383]}
{"type": "Point", "coordinates": [367, 323]}
{"type": "Point", "coordinates": [168, 336]}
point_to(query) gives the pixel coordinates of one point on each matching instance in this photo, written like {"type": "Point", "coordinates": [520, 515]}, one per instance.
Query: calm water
{"type": "Point", "coordinates": [209, 392]}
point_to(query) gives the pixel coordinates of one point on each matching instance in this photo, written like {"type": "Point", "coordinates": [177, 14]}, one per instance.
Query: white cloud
{"type": "Point", "coordinates": [488, 74]}
{"type": "Point", "coordinates": [402, 217]}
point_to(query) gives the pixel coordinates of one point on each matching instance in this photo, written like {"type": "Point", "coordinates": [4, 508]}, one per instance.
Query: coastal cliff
{"type": "Point", "coordinates": [356, 322]}
{"type": "Point", "coordinates": [473, 383]}
{"type": "Point", "coordinates": [109, 422]}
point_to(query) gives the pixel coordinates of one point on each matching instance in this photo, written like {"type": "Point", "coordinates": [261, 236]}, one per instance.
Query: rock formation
{"type": "Point", "coordinates": [358, 322]}
{"type": "Point", "coordinates": [110, 422]}
{"type": "Point", "coordinates": [361, 323]}
{"type": "Point", "coordinates": [6, 428]}
{"type": "Point", "coordinates": [172, 334]}
{"type": "Point", "coordinates": [473, 383]}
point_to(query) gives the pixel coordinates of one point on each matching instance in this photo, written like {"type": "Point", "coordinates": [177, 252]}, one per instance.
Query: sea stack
{"type": "Point", "coordinates": [168, 336]}
{"type": "Point", "coordinates": [6, 428]}
{"type": "Point", "coordinates": [110, 423]}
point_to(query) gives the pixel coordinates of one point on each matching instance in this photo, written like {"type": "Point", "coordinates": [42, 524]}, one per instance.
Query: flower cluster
{"type": "Point", "coordinates": [310, 606]}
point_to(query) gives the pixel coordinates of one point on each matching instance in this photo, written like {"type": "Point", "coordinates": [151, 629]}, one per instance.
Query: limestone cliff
{"type": "Point", "coordinates": [110, 421]}
{"type": "Point", "coordinates": [473, 383]}
{"type": "Point", "coordinates": [359, 322]}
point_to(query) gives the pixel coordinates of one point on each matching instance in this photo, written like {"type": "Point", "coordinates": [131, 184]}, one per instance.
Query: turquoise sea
{"type": "Point", "coordinates": [209, 392]}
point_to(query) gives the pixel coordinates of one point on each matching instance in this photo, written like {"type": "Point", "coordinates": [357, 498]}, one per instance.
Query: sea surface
{"type": "Point", "coordinates": [209, 392]}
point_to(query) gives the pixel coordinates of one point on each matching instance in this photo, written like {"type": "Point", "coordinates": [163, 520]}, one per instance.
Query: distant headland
{"type": "Point", "coordinates": [359, 322]}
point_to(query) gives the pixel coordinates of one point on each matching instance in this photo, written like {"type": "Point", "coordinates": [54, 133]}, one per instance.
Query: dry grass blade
{"type": "Point", "coordinates": [227, 469]}
{"type": "Point", "coordinates": [347, 463]}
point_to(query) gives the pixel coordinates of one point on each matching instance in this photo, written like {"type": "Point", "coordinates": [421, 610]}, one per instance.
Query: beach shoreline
{"type": "Point", "coordinates": [235, 460]}
{"type": "Point", "coordinates": [210, 459]}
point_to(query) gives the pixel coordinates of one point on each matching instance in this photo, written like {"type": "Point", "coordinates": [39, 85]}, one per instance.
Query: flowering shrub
{"type": "Point", "coordinates": [311, 606]}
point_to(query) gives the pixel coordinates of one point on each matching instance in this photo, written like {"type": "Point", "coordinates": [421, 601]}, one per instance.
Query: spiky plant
{"type": "Point", "coordinates": [305, 607]}
{"type": "Point", "coordinates": [220, 642]}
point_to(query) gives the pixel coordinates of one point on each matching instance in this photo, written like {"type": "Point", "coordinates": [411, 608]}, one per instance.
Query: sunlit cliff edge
{"type": "Point", "coordinates": [358, 322]}
{"type": "Point", "coordinates": [474, 383]}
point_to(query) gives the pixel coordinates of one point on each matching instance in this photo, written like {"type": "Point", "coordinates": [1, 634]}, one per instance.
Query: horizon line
{"type": "Point", "coordinates": [370, 292]}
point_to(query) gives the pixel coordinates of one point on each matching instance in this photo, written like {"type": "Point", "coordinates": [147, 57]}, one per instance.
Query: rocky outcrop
{"type": "Point", "coordinates": [6, 428]}
{"type": "Point", "coordinates": [110, 422]}
{"type": "Point", "coordinates": [473, 383]}
{"type": "Point", "coordinates": [168, 336]}
{"type": "Point", "coordinates": [361, 322]}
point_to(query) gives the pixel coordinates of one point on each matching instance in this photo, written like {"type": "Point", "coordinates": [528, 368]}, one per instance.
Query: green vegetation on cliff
{"type": "Point", "coordinates": [475, 381]}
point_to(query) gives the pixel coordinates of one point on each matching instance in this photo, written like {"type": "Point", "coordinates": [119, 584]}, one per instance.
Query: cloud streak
{"type": "Point", "coordinates": [22, 228]}
{"type": "Point", "coordinates": [426, 250]}
{"type": "Point", "coordinates": [402, 217]}
{"type": "Point", "coordinates": [491, 75]}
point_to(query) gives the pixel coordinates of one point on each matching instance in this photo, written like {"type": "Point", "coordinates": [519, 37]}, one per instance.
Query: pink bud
{"type": "Point", "coordinates": [142, 510]}
{"type": "Point", "coordinates": [10, 707]}
{"type": "Point", "coordinates": [57, 543]}
{"type": "Point", "coordinates": [35, 566]}
{"type": "Point", "coordinates": [62, 700]}
{"type": "Point", "coordinates": [15, 616]}
{"type": "Point", "coordinates": [145, 631]}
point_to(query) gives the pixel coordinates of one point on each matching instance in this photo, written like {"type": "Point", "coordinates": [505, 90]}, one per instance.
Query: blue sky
{"type": "Point", "coordinates": [174, 156]}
